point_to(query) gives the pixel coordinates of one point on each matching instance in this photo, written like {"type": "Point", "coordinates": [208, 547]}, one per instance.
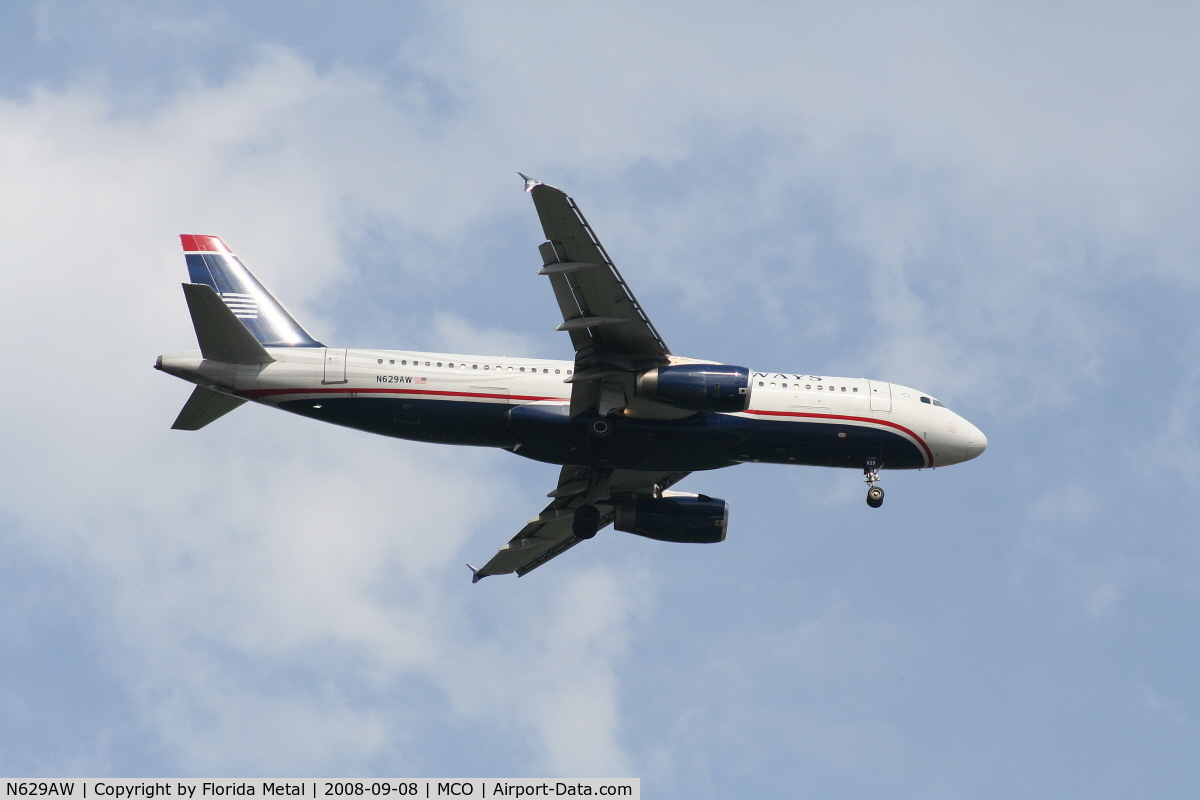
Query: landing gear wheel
{"type": "Point", "coordinates": [875, 497]}
{"type": "Point", "coordinates": [871, 475]}
{"type": "Point", "coordinates": [586, 521]}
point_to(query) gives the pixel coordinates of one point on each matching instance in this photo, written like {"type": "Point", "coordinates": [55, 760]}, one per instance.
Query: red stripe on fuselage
{"type": "Point", "coordinates": [259, 393]}
{"type": "Point", "coordinates": [920, 441]}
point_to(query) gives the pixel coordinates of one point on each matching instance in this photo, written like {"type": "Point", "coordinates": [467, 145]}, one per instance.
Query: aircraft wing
{"type": "Point", "coordinates": [549, 533]}
{"type": "Point", "coordinates": [611, 333]}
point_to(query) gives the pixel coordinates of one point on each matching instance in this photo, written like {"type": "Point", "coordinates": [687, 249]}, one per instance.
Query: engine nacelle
{"type": "Point", "coordinates": [689, 519]}
{"type": "Point", "coordinates": [698, 387]}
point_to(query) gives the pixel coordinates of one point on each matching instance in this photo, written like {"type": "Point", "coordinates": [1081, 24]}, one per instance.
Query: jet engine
{"type": "Point", "coordinates": [689, 519]}
{"type": "Point", "coordinates": [698, 387]}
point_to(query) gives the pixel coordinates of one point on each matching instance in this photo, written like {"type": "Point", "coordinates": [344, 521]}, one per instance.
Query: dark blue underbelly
{"type": "Point", "coordinates": [439, 421]}
{"type": "Point", "coordinates": [546, 433]}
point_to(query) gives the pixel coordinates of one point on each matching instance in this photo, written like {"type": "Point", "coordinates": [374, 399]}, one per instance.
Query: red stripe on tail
{"type": "Point", "coordinates": [193, 242]}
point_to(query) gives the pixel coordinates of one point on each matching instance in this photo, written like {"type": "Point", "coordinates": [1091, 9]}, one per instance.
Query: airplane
{"type": "Point", "coordinates": [625, 420]}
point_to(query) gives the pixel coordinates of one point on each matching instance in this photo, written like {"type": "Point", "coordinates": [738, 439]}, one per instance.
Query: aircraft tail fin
{"type": "Point", "coordinates": [212, 263]}
{"type": "Point", "coordinates": [203, 407]}
{"type": "Point", "coordinates": [221, 335]}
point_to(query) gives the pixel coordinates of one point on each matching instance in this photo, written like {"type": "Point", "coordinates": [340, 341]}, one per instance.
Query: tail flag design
{"type": "Point", "coordinates": [211, 262]}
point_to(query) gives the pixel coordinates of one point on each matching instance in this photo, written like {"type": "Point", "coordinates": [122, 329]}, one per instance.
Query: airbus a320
{"type": "Point", "coordinates": [626, 419]}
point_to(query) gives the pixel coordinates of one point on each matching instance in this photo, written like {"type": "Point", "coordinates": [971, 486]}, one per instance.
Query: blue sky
{"type": "Point", "coordinates": [993, 203]}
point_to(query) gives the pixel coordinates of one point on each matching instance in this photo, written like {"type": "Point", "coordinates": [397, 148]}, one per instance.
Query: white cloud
{"type": "Point", "coordinates": [223, 564]}
{"type": "Point", "coordinates": [954, 199]}
{"type": "Point", "coordinates": [991, 169]}
{"type": "Point", "coordinates": [453, 334]}
{"type": "Point", "coordinates": [1058, 551]}
{"type": "Point", "coordinates": [559, 670]}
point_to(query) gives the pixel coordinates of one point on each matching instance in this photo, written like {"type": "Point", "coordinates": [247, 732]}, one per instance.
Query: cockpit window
{"type": "Point", "coordinates": [932, 400]}
{"type": "Point", "coordinates": [926, 400]}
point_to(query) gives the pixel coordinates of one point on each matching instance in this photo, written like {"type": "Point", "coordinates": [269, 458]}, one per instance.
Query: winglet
{"type": "Point", "coordinates": [475, 576]}
{"type": "Point", "coordinates": [529, 182]}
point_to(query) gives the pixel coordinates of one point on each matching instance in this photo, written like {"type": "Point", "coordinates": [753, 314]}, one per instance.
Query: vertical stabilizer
{"type": "Point", "coordinates": [212, 263]}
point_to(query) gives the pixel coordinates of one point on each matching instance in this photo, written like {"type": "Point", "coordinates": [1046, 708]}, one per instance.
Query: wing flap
{"type": "Point", "coordinates": [557, 267]}
{"type": "Point", "coordinates": [580, 339]}
{"type": "Point", "coordinates": [546, 555]}
{"type": "Point", "coordinates": [536, 544]}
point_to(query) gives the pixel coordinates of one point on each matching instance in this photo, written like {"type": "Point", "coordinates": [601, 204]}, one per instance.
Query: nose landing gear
{"type": "Point", "coordinates": [875, 497]}
{"type": "Point", "coordinates": [871, 476]}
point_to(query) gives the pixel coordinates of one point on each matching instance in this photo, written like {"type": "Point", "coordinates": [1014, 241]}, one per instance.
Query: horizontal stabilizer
{"type": "Point", "coordinates": [203, 407]}
{"type": "Point", "coordinates": [221, 335]}
{"type": "Point", "coordinates": [211, 262]}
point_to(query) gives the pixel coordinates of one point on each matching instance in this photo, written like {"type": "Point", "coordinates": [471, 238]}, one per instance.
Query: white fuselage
{"type": "Point", "coordinates": [318, 374]}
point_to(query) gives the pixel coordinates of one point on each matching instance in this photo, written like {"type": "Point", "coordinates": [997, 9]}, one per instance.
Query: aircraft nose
{"type": "Point", "coordinates": [976, 442]}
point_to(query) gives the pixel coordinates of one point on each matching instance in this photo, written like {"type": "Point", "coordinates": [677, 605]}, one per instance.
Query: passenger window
{"type": "Point", "coordinates": [381, 361]}
{"type": "Point", "coordinates": [760, 383]}
{"type": "Point", "coordinates": [522, 369]}
{"type": "Point", "coordinates": [808, 386]}
{"type": "Point", "coordinates": [843, 388]}
{"type": "Point", "coordinates": [785, 386]}
{"type": "Point", "coordinates": [485, 366]}
{"type": "Point", "coordinates": [427, 363]}
{"type": "Point", "coordinates": [474, 366]}
{"type": "Point", "coordinates": [392, 361]}
{"type": "Point", "coordinates": [556, 372]}
{"type": "Point", "coordinates": [510, 369]}
{"type": "Point", "coordinates": [856, 388]}
{"type": "Point", "coordinates": [568, 372]}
